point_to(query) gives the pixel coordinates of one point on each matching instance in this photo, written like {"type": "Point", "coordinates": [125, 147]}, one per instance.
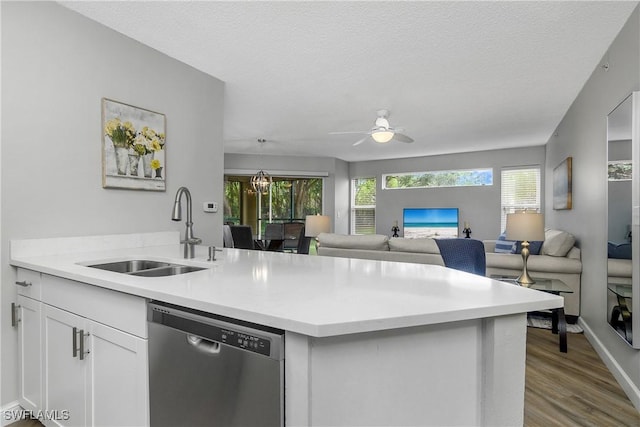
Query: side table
{"type": "Point", "coordinates": [555, 287]}
{"type": "Point", "coordinates": [621, 311]}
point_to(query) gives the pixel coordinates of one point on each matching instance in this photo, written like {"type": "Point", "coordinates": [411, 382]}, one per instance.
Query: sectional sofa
{"type": "Point", "coordinates": [559, 258]}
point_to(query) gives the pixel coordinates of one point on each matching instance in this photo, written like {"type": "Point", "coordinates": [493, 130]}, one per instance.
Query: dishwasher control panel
{"type": "Point", "coordinates": [210, 329]}
{"type": "Point", "coordinates": [245, 341]}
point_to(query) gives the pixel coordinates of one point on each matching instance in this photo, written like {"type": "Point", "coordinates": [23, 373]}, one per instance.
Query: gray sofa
{"type": "Point", "coordinates": [550, 264]}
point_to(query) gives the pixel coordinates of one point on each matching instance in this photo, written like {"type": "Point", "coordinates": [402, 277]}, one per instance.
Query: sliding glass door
{"type": "Point", "coordinates": [287, 200]}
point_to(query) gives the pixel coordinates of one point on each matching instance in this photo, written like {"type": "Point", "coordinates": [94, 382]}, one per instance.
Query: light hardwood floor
{"type": "Point", "coordinates": [562, 389]}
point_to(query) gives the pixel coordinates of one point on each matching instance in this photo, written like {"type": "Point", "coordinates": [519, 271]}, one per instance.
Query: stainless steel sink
{"type": "Point", "coordinates": [171, 270]}
{"type": "Point", "coordinates": [146, 268]}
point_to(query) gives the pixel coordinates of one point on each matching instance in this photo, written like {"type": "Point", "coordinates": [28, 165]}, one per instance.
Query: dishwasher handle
{"type": "Point", "coordinates": [203, 345]}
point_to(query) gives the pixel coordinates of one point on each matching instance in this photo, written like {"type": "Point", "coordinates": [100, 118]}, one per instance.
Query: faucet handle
{"type": "Point", "coordinates": [192, 241]}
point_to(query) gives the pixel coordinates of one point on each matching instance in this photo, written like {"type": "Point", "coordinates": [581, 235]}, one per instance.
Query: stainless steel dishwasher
{"type": "Point", "coordinates": [207, 370]}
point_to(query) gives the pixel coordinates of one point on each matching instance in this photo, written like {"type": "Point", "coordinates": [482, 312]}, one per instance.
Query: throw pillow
{"type": "Point", "coordinates": [504, 246]}
{"type": "Point", "coordinates": [621, 251]}
{"type": "Point", "coordinates": [534, 247]}
{"type": "Point", "coordinates": [557, 243]}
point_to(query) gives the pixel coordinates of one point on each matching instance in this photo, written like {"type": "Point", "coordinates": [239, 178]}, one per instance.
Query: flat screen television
{"type": "Point", "coordinates": [430, 222]}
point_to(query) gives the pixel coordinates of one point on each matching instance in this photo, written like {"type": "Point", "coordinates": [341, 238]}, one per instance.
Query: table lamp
{"type": "Point", "coordinates": [525, 226]}
{"type": "Point", "coordinates": [316, 224]}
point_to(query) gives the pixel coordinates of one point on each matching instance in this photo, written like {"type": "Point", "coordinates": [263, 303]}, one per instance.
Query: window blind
{"type": "Point", "coordinates": [363, 206]}
{"type": "Point", "coordinates": [520, 188]}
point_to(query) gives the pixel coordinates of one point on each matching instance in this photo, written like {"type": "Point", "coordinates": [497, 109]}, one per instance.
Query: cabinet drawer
{"type": "Point", "coordinates": [116, 309]}
{"type": "Point", "coordinates": [29, 283]}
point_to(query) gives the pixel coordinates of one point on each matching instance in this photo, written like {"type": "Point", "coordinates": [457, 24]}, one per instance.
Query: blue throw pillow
{"type": "Point", "coordinates": [504, 246]}
{"type": "Point", "coordinates": [534, 247]}
{"type": "Point", "coordinates": [621, 251]}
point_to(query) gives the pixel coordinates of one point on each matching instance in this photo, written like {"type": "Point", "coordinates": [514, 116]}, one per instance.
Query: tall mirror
{"type": "Point", "coordinates": [620, 162]}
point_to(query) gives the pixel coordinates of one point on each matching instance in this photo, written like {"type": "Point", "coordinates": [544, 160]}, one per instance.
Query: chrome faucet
{"type": "Point", "coordinates": [189, 241]}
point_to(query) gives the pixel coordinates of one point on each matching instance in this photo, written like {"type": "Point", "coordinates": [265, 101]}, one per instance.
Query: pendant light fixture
{"type": "Point", "coordinates": [261, 182]}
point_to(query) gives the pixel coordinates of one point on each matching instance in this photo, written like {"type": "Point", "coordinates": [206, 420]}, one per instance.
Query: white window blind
{"type": "Point", "coordinates": [520, 190]}
{"type": "Point", "coordinates": [363, 206]}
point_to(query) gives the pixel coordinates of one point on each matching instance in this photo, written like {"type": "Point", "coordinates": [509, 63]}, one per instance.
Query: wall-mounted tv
{"type": "Point", "coordinates": [430, 222]}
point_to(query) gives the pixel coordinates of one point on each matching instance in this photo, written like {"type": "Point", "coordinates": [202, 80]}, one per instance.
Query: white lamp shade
{"type": "Point", "coordinates": [382, 136]}
{"type": "Point", "coordinates": [525, 226]}
{"type": "Point", "coordinates": [316, 224]}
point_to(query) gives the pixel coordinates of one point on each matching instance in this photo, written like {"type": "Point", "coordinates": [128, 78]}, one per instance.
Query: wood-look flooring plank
{"type": "Point", "coordinates": [573, 388]}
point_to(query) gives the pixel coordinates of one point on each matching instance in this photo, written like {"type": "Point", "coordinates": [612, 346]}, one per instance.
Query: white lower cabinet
{"type": "Point", "coordinates": [95, 375]}
{"type": "Point", "coordinates": [29, 323]}
{"type": "Point", "coordinates": [76, 370]}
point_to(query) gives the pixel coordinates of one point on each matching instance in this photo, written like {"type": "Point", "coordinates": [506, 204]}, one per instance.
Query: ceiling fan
{"type": "Point", "coordinates": [381, 132]}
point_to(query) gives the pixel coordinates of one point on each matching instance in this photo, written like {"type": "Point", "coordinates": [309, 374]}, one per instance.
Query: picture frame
{"type": "Point", "coordinates": [133, 147]}
{"type": "Point", "coordinates": [562, 185]}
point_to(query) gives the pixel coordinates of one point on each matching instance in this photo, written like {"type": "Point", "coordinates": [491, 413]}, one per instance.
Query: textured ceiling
{"type": "Point", "coordinates": [456, 76]}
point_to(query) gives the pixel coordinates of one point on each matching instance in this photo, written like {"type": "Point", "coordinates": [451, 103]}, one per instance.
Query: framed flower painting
{"type": "Point", "coordinates": [133, 147]}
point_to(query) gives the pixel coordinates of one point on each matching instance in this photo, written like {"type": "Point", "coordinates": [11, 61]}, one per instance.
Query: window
{"type": "Point", "coordinates": [520, 190]}
{"type": "Point", "coordinates": [446, 178]}
{"type": "Point", "coordinates": [363, 206]}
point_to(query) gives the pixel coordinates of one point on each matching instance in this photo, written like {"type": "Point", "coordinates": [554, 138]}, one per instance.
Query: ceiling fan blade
{"type": "Point", "coordinates": [345, 133]}
{"type": "Point", "coordinates": [360, 141]}
{"type": "Point", "coordinates": [402, 138]}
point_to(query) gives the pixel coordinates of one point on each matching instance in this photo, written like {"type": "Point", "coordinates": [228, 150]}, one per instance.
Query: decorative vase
{"type": "Point", "coordinates": [134, 159]}
{"type": "Point", "coordinates": [122, 159]}
{"type": "Point", "coordinates": [146, 164]}
{"type": "Point", "coordinates": [159, 172]}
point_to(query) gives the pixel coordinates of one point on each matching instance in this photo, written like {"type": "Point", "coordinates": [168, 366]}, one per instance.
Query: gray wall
{"type": "Point", "coordinates": [480, 206]}
{"type": "Point", "coordinates": [336, 185]}
{"type": "Point", "coordinates": [583, 134]}
{"type": "Point", "coordinates": [56, 67]}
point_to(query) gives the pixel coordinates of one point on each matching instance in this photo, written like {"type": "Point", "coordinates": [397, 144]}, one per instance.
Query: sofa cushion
{"type": "Point", "coordinates": [371, 241]}
{"type": "Point", "coordinates": [619, 251]}
{"type": "Point", "coordinates": [424, 245]}
{"type": "Point", "coordinates": [557, 243]}
{"type": "Point", "coordinates": [504, 246]}
{"type": "Point", "coordinates": [619, 267]}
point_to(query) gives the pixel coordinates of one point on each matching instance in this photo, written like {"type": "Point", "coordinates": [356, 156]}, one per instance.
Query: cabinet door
{"type": "Point", "coordinates": [117, 383]}
{"type": "Point", "coordinates": [30, 353]}
{"type": "Point", "coordinates": [64, 374]}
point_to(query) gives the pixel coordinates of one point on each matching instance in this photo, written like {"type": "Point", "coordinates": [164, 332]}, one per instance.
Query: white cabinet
{"type": "Point", "coordinates": [28, 320]}
{"type": "Point", "coordinates": [95, 372]}
{"type": "Point", "coordinates": [75, 366]}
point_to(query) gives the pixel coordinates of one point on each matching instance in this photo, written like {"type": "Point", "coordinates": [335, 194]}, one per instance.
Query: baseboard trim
{"type": "Point", "coordinates": [7, 412]}
{"type": "Point", "coordinates": [633, 393]}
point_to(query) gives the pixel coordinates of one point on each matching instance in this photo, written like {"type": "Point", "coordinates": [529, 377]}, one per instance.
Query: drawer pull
{"type": "Point", "coordinates": [24, 283]}
{"type": "Point", "coordinates": [14, 314]}
{"type": "Point", "coordinates": [74, 341]}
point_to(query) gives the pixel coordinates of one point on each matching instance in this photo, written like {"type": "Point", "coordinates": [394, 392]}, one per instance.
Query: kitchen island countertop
{"type": "Point", "coordinates": [310, 295]}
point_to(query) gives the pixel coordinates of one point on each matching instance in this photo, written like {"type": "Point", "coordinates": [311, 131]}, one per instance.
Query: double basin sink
{"type": "Point", "coordinates": [146, 268]}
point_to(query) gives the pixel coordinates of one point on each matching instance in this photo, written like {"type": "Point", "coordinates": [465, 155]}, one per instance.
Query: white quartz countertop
{"type": "Point", "coordinates": [311, 295]}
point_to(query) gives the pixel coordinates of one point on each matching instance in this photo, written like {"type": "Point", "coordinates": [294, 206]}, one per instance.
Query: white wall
{"type": "Point", "coordinates": [480, 206]}
{"type": "Point", "coordinates": [56, 67]}
{"type": "Point", "coordinates": [582, 134]}
{"type": "Point", "coordinates": [336, 185]}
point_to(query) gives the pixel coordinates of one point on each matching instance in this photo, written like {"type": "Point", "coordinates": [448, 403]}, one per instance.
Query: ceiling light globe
{"type": "Point", "coordinates": [382, 136]}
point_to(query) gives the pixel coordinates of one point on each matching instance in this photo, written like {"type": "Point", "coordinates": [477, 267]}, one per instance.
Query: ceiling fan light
{"type": "Point", "coordinates": [382, 136]}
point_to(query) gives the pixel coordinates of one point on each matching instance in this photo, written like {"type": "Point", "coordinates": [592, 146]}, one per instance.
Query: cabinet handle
{"type": "Point", "coordinates": [14, 314]}
{"type": "Point", "coordinates": [74, 341]}
{"type": "Point", "coordinates": [81, 350]}
{"type": "Point", "coordinates": [24, 283]}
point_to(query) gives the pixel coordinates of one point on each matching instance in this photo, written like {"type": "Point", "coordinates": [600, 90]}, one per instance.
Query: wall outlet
{"type": "Point", "coordinates": [210, 207]}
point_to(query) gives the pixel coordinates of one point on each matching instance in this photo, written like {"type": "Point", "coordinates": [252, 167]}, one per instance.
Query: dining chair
{"type": "Point", "coordinates": [291, 235]}
{"type": "Point", "coordinates": [303, 243]}
{"type": "Point", "coordinates": [242, 236]}
{"type": "Point", "coordinates": [274, 235]}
